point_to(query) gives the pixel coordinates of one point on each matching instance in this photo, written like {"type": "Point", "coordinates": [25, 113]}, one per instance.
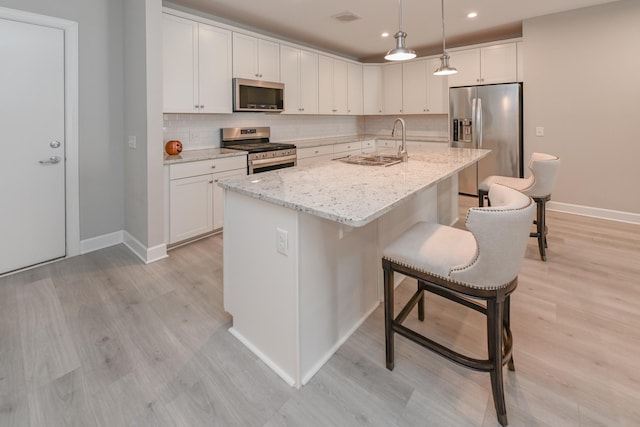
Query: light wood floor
{"type": "Point", "coordinates": [103, 340]}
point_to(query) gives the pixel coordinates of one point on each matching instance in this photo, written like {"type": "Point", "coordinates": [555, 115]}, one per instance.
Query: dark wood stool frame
{"type": "Point", "coordinates": [497, 311]}
{"type": "Point", "coordinates": [540, 222]}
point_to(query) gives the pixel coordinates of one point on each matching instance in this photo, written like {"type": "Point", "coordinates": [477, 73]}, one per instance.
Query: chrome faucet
{"type": "Point", "coordinates": [402, 150]}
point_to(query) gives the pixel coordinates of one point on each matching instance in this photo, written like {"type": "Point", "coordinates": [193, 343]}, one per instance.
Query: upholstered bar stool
{"type": "Point", "coordinates": [544, 169]}
{"type": "Point", "coordinates": [476, 268]}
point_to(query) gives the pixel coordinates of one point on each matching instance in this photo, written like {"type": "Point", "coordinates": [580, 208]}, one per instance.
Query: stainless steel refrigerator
{"type": "Point", "coordinates": [487, 117]}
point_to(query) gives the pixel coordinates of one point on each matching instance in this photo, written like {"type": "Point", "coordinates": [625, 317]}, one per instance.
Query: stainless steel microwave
{"type": "Point", "coordinates": [257, 95]}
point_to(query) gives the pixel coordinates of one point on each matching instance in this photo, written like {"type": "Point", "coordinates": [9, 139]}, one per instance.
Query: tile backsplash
{"type": "Point", "coordinates": [197, 131]}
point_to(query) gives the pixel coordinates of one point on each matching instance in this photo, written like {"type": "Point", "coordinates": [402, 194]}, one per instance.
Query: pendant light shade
{"type": "Point", "coordinates": [400, 52]}
{"type": "Point", "coordinates": [444, 69]}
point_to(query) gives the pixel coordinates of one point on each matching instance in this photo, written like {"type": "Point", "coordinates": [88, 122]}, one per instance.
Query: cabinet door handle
{"type": "Point", "coordinates": [213, 167]}
{"type": "Point", "coordinates": [210, 182]}
{"type": "Point", "coordinates": [202, 106]}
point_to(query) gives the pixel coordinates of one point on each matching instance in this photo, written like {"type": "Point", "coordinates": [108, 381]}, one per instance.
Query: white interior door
{"type": "Point", "coordinates": [32, 165]}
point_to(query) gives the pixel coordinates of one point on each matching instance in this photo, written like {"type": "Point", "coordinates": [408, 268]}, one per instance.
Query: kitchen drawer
{"type": "Point", "coordinates": [319, 150]}
{"type": "Point", "coordinates": [347, 147]}
{"type": "Point", "coordinates": [386, 143]}
{"type": "Point", "coordinates": [369, 146]}
{"type": "Point", "coordinates": [203, 167]}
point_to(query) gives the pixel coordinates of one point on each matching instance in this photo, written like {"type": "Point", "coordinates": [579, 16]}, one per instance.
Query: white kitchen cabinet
{"type": "Point", "coordinates": [354, 89]}
{"type": "Point", "coordinates": [386, 143]}
{"type": "Point", "coordinates": [485, 65]}
{"type": "Point", "coordinates": [196, 66]}
{"type": "Point", "coordinates": [369, 146]}
{"type": "Point", "coordinates": [372, 89]}
{"type": "Point", "coordinates": [255, 58]}
{"type": "Point", "coordinates": [311, 155]}
{"type": "Point", "coordinates": [392, 79]}
{"type": "Point", "coordinates": [299, 73]}
{"type": "Point", "coordinates": [520, 61]}
{"type": "Point", "coordinates": [422, 92]}
{"type": "Point", "coordinates": [345, 149]}
{"type": "Point", "coordinates": [196, 203]}
{"type": "Point", "coordinates": [332, 85]}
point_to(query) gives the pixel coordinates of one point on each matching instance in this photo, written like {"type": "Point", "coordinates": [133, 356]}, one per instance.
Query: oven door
{"type": "Point", "coordinates": [264, 165]}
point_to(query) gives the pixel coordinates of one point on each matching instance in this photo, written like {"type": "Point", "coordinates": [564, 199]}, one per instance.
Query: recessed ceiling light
{"type": "Point", "coordinates": [385, 34]}
{"type": "Point", "coordinates": [472, 14]}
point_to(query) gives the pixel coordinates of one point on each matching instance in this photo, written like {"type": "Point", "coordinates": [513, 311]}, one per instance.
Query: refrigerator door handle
{"type": "Point", "coordinates": [474, 124]}
{"type": "Point", "coordinates": [478, 120]}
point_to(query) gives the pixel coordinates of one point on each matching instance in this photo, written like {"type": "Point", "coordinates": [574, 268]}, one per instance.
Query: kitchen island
{"type": "Point", "coordinates": [302, 248]}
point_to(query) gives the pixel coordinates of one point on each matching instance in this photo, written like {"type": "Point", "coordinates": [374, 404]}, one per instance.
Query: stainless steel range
{"type": "Point", "coordinates": [263, 155]}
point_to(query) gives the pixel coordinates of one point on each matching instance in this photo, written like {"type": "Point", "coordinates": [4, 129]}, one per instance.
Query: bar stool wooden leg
{"type": "Point", "coordinates": [421, 306]}
{"type": "Point", "coordinates": [388, 316]}
{"type": "Point", "coordinates": [481, 195]}
{"type": "Point", "coordinates": [495, 340]}
{"type": "Point", "coordinates": [541, 226]}
{"type": "Point", "coordinates": [507, 327]}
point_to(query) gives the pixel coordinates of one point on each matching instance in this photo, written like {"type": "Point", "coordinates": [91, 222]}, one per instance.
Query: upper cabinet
{"type": "Point", "coordinates": [196, 66]}
{"type": "Point", "coordinates": [372, 89]}
{"type": "Point", "coordinates": [484, 65]}
{"type": "Point", "coordinates": [354, 89]}
{"type": "Point", "coordinates": [422, 92]}
{"type": "Point", "coordinates": [255, 58]}
{"type": "Point", "coordinates": [332, 85]}
{"type": "Point", "coordinates": [392, 82]}
{"type": "Point", "coordinates": [299, 73]}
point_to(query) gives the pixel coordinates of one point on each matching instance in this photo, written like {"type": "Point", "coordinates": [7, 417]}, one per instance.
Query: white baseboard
{"type": "Point", "coordinates": [609, 214]}
{"type": "Point", "coordinates": [100, 242]}
{"type": "Point", "coordinates": [147, 255]}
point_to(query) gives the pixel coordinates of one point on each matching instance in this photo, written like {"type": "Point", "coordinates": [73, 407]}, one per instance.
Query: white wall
{"type": "Point", "coordinates": [582, 84]}
{"type": "Point", "coordinates": [100, 37]}
{"type": "Point", "coordinates": [143, 170]}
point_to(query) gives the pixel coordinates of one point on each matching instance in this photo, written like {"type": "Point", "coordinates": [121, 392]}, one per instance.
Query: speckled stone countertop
{"type": "Point", "coordinates": [355, 195]}
{"type": "Point", "coordinates": [204, 154]}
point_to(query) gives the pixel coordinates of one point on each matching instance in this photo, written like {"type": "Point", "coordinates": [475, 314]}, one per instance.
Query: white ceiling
{"type": "Point", "coordinates": [310, 22]}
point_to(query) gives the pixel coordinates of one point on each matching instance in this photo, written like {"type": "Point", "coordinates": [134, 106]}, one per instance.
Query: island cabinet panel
{"type": "Point", "coordinates": [255, 58]}
{"type": "Point", "coordinates": [196, 67]}
{"type": "Point", "coordinates": [196, 203]}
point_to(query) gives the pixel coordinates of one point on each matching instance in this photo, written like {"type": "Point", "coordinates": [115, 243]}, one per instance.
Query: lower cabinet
{"type": "Point", "coordinates": [311, 155]}
{"type": "Point", "coordinates": [196, 202]}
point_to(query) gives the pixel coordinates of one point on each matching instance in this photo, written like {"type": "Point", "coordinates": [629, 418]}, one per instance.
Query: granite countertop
{"type": "Point", "coordinates": [203, 154]}
{"type": "Point", "coordinates": [354, 195]}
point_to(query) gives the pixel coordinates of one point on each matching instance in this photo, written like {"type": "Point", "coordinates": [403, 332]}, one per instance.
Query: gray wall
{"type": "Point", "coordinates": [582, 83]}
{"type": "Point", "coordinates": [100, 34]}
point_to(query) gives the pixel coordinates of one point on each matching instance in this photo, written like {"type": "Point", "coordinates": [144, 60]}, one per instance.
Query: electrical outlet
{"type": "Point", "coordinates": [132, 142]}
{"type": "Point", "coordinates": [539, 131]}
{"type": "Point", "coordinates": [282, 241]}
{"type": "Point", "coordinates": [194, 136]}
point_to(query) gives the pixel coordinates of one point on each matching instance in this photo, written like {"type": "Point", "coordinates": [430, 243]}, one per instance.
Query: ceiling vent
{"type": "Point", "coordinates": [346, 16]}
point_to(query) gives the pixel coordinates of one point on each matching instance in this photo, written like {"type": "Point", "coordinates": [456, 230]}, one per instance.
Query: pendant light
{"type": "Point", "coordinates": [444, 69]}
{"type": "Point", "coordinates": [400, 52]}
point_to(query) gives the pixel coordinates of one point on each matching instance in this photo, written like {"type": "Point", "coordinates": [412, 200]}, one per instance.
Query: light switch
{"type": "Point", "coordinates": [132, 142]}
{"type": "Point", "coordinates": [539, 131]}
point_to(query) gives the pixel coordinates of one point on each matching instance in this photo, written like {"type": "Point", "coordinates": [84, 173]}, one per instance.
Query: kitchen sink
{"type": "Point", "coordinates": [372, 160]}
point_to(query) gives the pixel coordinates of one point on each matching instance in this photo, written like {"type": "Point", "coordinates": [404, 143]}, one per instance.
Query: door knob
{"type": "Point", "coordinates": [54, 144]}
{"type": "Point", "coordinates": [52, 159]}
